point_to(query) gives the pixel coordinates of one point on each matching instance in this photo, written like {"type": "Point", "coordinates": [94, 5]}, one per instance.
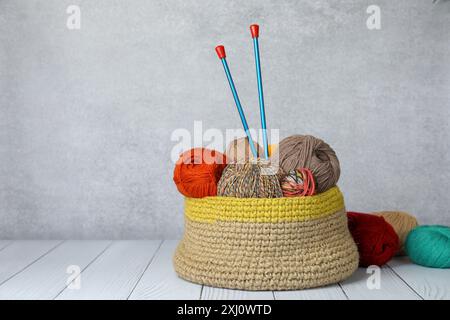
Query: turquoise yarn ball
{"type": "Point", "coordinates": [429, 246]}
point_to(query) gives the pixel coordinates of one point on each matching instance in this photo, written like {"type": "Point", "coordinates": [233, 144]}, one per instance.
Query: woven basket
{"type": "Point", "coordinates": [266, 244]}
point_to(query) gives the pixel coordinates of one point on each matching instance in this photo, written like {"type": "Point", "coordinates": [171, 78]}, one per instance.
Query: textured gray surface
{"type": "Point", "coordinates": [86, 115]}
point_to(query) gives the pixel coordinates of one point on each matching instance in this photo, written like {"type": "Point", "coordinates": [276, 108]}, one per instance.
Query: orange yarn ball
{"type": "Point", "coordinates": [197, 172]}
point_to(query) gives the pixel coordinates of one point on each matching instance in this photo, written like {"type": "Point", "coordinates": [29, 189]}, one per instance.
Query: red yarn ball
{"type": "Point", "coordinates": [198, 171]}
{"type": "Point", "coordinates": [376, 239]}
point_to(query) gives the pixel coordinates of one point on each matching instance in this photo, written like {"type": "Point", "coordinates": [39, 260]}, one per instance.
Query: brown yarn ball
{"type": "Point", "coordinates": [238, 151]}
{"type": "Point", "coordinates": [299, 151]}
{"type": "Point", "coordinates": [255, 179]}
{"type": "Point", "coordinates": [402, 223]}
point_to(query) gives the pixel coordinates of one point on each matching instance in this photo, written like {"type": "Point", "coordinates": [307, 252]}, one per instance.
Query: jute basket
{"type": "Point", "coordinates": [266, 244]}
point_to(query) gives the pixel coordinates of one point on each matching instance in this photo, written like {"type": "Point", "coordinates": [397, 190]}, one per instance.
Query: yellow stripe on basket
{"type": "Point", "coordinates": [211, 209]}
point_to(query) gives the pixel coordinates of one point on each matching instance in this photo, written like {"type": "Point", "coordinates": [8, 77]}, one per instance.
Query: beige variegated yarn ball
{"type": "Point", "coordinates": [239, 151]}
{"type": "Point", "coordinates": [254, 179]}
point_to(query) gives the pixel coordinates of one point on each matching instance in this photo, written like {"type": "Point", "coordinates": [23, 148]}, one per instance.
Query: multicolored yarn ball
{"type": "Point", "coordinates": [429, 246]}
{"type": "Point", "coordinates": [402, 222]}
{"type": "Point", "coordinates": [255, 179]}
{"type": "Point", "coordinates": [376, 240]}
{"type": "Point", "coordinates": [197, 172]}
{"type": "Point", "coordinates": [300, 151]}
{"type": "Point", "coordinates": [238, 151]}
{"type": "Point", "coordinates": [298, 183]}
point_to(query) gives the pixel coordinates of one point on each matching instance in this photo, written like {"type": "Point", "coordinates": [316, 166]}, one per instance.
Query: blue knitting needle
{"type": "Point", "coordinates": [254, 29]}
{"type": "Point", "coordinates": [222, 56]}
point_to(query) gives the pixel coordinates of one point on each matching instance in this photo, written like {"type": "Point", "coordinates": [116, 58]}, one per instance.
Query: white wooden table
{"type": "Point", "coordinates": [143, 270]}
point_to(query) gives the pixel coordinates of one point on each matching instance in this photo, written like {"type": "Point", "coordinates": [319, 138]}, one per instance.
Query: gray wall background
{"type": "Point", "coordinates": [86, 115]}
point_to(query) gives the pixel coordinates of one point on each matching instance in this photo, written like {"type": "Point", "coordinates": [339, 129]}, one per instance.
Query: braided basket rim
{"type": "Point", "coordinates": [269, 210]}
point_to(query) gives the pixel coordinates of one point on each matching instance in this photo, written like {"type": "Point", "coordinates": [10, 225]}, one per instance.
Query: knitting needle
{"type": "Point", "coordinates": [254, 29]}
{"type": "Point", "coordinates": [222, 56]}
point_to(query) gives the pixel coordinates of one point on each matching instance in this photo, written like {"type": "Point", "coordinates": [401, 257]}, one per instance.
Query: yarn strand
{"type": "Point", "coordinates": [298, 183]}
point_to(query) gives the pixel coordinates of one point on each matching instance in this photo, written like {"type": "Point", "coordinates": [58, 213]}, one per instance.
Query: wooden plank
{"type": "Point", "coordinates": [48, 276]}
{"type": "Point", "coordinates": [114, 274]}
{"type": "Point", "coordinates": [160, 281]}
{"type": "Point", "coordinates": [429, 283]}
{"type": "Point", "coordinates": [331, 292]}
{"type": "Point", "coordinates": [211, 293]}
{"type": "Point", "coordinates": [391, 286]}
{"type": "Point", "coordinates": [4, 244]}
{"type": "Point", "coordinates": [17, 256]}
